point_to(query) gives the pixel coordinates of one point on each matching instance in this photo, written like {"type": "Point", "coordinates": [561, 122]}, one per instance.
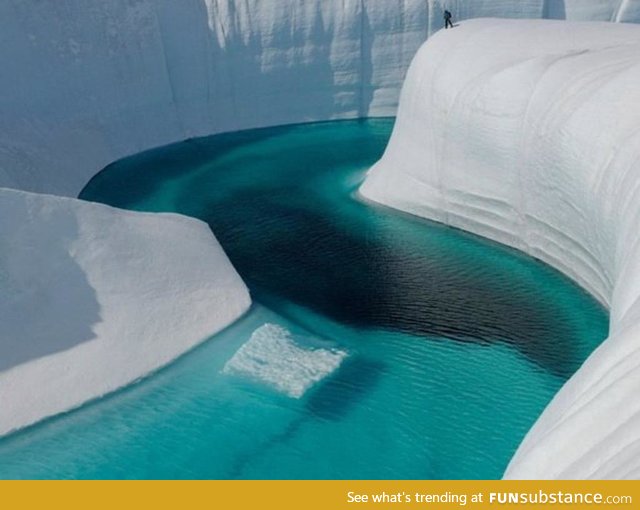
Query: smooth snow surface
{"type": "Point", "coordinates": [528, 132]}
{"type": "Point", "coordinates": [88, 82]}
{"type": "Point", "coordinates": [272, 356]}
{"type": "Point", "coordinates": [96, 297]}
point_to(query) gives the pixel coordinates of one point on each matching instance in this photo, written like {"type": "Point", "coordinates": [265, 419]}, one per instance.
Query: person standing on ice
{"type": "Point", "coordinates": [447, 19]}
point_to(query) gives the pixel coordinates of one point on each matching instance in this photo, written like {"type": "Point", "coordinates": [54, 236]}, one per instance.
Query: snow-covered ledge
{"type": "Point", "coordinates": [528, 132]}
{"type": "Point", "coordinates": [94, 298]}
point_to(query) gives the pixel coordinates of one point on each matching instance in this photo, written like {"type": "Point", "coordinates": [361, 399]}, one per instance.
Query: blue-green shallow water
{"type": "Point", "coordinates": [455, 344]}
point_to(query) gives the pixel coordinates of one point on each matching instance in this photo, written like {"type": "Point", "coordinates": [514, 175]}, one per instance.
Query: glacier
{"type": "Point", "coordinates": [528, 132]}
{"type": "Point", "coordinates": [96, 297]}
{"type": "Point", "coordinates": [86, 83]}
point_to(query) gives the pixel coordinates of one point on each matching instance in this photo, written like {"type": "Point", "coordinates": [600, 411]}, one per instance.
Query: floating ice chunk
{"type": "Point", "coordinates": [272, 356]}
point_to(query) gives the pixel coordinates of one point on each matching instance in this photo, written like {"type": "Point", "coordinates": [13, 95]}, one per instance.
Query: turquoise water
{"type": "Point", "coordinates": [454, 344]}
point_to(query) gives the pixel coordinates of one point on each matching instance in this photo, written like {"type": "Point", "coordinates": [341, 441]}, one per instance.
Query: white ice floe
{"type": "Point", "coordinates": [272, 356]}
{"type": "Point", "coordinates": [528, 132]}
{"type": "Point", "coordinates": [94, 298]}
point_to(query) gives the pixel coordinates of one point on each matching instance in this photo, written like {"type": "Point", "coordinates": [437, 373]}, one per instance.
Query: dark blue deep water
{"type": "Point", "coordinates": [453, 344]}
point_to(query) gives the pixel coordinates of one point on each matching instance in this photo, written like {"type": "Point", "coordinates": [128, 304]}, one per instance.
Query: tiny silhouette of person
{"type": "Point", "coordinates": [447, 19]}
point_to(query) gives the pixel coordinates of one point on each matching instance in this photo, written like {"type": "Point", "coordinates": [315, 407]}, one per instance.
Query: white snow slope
{"type": "Point", "coordinates": [85, 82]}
{"type": "Point", "coordinates": [528, 132]}
{"type": "Point", "coordinates": [94, 298]}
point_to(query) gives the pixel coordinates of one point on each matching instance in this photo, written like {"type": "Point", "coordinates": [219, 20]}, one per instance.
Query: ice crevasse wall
{"type": "Point", "coordinates": [528, 132]}
{"type": "Point", "coordinates": [86, 82]}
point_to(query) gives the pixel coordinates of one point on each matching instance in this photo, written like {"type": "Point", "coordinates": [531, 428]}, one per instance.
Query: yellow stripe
{"type": "Point", "coordinates": [311, 495]}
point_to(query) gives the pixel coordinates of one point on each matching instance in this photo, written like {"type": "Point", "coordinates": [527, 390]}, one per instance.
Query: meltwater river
{"type": "Point", "coordinates": [411, 350]}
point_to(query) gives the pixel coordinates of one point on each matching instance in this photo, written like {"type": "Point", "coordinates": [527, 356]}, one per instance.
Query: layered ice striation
{"type": "Point", "coordinates": [528, 132]}
{"type": "Point", "coordinates": [88, 82]}
{"type": "Point", "coordinates": [274, 357]}
{"type": "Point", "coordinates": [96, 297]}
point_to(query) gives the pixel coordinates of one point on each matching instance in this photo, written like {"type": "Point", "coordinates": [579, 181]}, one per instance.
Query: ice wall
{"type": "Point", "coordinates": [528, 132]}
{"type": "Point", "coordinates": [85, 82]}
{"type": "Point", "coordinates": [94, 298]}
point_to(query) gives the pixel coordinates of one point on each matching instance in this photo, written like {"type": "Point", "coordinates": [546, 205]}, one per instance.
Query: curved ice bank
{"type": "Point", "coordinates": [528, 132]}
{"type": "Point", "coordinates": [96, 297]}
{"type": "Point", "coordinates": [86, 83]}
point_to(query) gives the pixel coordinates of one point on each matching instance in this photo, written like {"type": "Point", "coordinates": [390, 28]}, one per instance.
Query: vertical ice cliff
{"type": "Point", "coordinates": [85, 82]}
{"type": "Point", "coordinates": [528, 132]}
